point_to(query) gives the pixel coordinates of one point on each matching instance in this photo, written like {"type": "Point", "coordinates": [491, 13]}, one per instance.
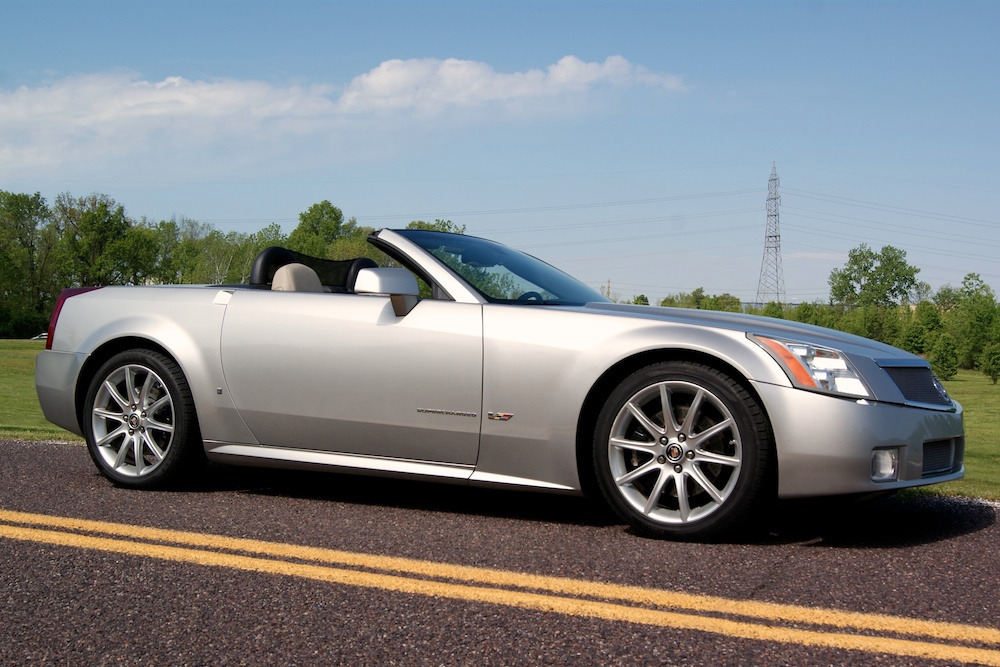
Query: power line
{"type": "Point", "coordinates": [889, 208]}
{"type": "Point", "coordinates": [888, 226]}
{"type": "Point", "coordinates": [557, 207]}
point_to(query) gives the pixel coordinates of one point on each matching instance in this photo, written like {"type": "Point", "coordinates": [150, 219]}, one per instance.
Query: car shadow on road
{"type": "Point", "coordinates": [410, 494]}
{"type": "Point", "coordinates": [900, 521]}
{"type": "Point", "coordinates": [905, 520]}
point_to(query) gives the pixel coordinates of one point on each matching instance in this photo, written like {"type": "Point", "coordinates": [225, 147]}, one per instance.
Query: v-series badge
{"type": "Point", "coordinates": [499, 416]}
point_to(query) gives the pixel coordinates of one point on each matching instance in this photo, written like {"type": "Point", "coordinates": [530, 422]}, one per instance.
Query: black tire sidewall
{"type": "Point", "coordinates": [185, 425]}
{"type": "Point", "coordinates": [755, 440]}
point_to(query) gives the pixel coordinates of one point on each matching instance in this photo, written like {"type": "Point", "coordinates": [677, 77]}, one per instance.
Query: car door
{"type": "Point", "coordinates": [342, 373]}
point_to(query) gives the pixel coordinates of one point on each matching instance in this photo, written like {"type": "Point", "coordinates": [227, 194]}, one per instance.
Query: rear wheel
{"type": "Point", "coordinates": [140, 420]}
{"type": "Point", "coordinates": [682, 450]}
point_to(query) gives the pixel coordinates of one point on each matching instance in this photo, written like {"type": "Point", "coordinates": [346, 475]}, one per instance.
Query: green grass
{"type": "Point", "coordinates": [980, 400]}
{"type": "Point", "coordinates": [21, 417]}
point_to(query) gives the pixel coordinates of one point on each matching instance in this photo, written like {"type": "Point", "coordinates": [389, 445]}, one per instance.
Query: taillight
{"type": "Point", "coordinates": [63, 295]}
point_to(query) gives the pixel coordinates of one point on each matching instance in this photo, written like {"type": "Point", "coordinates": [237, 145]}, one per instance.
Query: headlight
{"type": "Point", "coordinates": [814, 367]}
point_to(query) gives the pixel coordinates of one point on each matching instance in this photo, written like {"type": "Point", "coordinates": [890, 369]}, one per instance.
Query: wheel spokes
{"type": "Point", "coordinates": [112, 391]}
{"type": "Point", "coordinates": [693, 413]}
{"type": "Point", "coordinates": [118, 432]}
{"type": "Point", "coordinates": [140, 462]}
{"type": "Point", "coordinates": [123, 451]}
{"type": "Point", "coordinates": [683, 503]}
{"type": "Point", "coordinates": [635, 445]}
{"type": "Point", "coordinates": [642, 470]}
{"type": "Point", "coordinates": [698, 476]}
{"type": "Point", "coordinates": [153, 447]}
{"type": "Point", "coordinates": [132, 420]}
{"type": "Point", "coordinates": [159, 403]}
{"type": "Point", "coordinates": [107, 414]}
{"type": "Point", "coordinates": [130, 388]}
{"type": "Point", "coordinates": [144, 393]}
{"type": "Point", "coordinates": [691, 465]}
{"type": "Point", "coordinates": [648, 424]}
{"type": "Point", "coordinates": [159, 426]}
{"type": "Point", "coordinates": [670, 425]}
{"type": "Point", "coordinates": [705, 456]}
{"type": "Point", "coordinates": [653, 501]}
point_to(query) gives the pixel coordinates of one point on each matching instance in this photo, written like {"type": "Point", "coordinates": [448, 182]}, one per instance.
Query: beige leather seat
{"type": "Point", "coordinates": [296, 278]}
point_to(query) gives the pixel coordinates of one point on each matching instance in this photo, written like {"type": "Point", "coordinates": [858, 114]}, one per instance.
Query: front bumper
{"type": "Point", "coordinates": [825, 443]}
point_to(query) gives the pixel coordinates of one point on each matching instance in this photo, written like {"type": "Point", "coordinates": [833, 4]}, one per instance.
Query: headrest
{"type": "Point", "coordinates": [296, 278]}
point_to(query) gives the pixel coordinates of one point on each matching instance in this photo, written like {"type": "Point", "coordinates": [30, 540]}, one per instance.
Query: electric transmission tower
{"type": "Point", "coordinates": [771, 285]}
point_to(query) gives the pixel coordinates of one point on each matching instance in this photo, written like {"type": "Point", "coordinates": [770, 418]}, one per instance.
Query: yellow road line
{"type": "Point", "coordinates": [702, 603]}
{"type": "Point", "coordinates": [517, 598]}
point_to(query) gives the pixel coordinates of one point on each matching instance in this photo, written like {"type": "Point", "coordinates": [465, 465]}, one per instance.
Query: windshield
{"type": "Point", "coordinates": [501, 274]}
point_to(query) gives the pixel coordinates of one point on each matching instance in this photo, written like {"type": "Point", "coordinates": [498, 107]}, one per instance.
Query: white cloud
{"type": "Point", "coordinates": [106, 115]}
{"type": "Point", "coordinates": [86, 118]}
{"type": "Point", "coordinates": [116, 97]}
{"type": "Point", "coordinates": [431, 84]}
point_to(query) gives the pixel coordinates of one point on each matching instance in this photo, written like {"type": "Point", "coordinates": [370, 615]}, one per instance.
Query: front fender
{"type": "Point", "coordinates": [544, 380]}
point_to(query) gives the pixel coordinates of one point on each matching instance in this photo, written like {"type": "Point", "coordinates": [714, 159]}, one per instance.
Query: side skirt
{"type": "Point", "coordinates": [306, 459]}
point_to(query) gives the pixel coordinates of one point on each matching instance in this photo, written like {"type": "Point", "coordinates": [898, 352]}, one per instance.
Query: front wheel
{"type": "Point", "coordinates": [682, 450]}
{"type": "Point", "coordinates": [140, 422]}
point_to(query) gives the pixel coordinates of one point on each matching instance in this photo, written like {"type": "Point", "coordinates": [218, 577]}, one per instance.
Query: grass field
{"type": "Point", "coordinates": [980, 400]}
{"type": "Point", "coordinates": [21, 417]}
{"type": "Point", "coordinates": [20, 414]}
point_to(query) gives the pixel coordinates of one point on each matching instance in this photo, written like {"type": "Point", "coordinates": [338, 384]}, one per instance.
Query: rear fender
{"type": "Point", "coordinates": [188, 330]}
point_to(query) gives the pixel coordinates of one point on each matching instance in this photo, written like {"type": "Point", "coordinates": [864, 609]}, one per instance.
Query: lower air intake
{"type": "Point", "coordinates": [939, 457]}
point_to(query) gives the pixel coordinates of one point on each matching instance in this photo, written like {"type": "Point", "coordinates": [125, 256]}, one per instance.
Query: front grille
{"type": "Point", "coordinates": [939, 457]}
{"type": "Point", "coordinates": [918, 385]}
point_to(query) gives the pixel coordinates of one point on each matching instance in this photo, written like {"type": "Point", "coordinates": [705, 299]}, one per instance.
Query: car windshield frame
{"type": "Point", "coordinates": [501, 274]}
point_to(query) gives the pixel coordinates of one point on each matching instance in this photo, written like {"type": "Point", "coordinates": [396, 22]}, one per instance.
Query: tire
{"type": "Point", "coordinates": [696, 475]}
{"type": "Point", "coordinates": [139, 420]}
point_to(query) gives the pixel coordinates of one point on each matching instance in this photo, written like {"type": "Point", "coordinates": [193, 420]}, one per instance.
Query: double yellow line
{"type": "Point", "coordinates": [765, 621]}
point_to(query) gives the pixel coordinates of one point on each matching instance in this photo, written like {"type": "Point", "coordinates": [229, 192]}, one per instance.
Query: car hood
{"type": "Point", "coordinates": [853, 346]}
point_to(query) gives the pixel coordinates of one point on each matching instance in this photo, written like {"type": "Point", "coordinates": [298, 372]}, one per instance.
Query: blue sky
{"type": "Point", "coordinates": [628, 142]}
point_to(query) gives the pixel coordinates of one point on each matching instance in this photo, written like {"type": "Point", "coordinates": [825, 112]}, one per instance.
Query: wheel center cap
{"type": "Point", "coordinates": [133, 421]}
{"type": "Point", "coordinates": [674, 452]}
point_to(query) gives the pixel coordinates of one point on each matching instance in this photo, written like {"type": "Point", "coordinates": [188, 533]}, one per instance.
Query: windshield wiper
{"type": "Point", "coordinates": [547, 302]}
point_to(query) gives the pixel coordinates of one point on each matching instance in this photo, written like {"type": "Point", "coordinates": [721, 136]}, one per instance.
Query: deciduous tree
{"type": "Point", "coordinates": [972, 318]}
{"type": "Point", "coordinates": [99, 245]}
{"type": "Point", "coordinates": [318, 227]}
{"type": "Point", "coordinates": [28, 253]}
{"type": "Point", "coordinates": [944, 357]}
{"type": "Point", "coordinates": [989, 362]}
{"type": "Point", "coordinates": [438, 225]}
{"type": "Point", "coordinates": [873, 278]}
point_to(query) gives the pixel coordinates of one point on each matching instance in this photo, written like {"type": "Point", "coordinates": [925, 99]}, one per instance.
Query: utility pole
{"type": "Point", "coordinates": [771, 285]}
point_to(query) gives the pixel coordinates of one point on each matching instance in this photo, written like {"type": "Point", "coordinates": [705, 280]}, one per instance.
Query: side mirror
{"type": "Point", "coordinates": [399, 284]}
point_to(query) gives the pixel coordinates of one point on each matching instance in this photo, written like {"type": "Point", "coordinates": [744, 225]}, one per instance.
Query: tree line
{"type": "Point", "coordinates": [876, 294]}
{"type": "Point", "coordinates": [79, 241]}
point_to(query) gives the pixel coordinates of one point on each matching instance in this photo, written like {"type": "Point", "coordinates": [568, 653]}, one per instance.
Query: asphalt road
{"type": "Point", "coordinates": [412, 573]}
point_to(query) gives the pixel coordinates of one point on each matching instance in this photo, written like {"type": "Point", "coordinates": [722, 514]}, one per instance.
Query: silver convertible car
{"type": "Point", "coordinates": [463, 360]}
